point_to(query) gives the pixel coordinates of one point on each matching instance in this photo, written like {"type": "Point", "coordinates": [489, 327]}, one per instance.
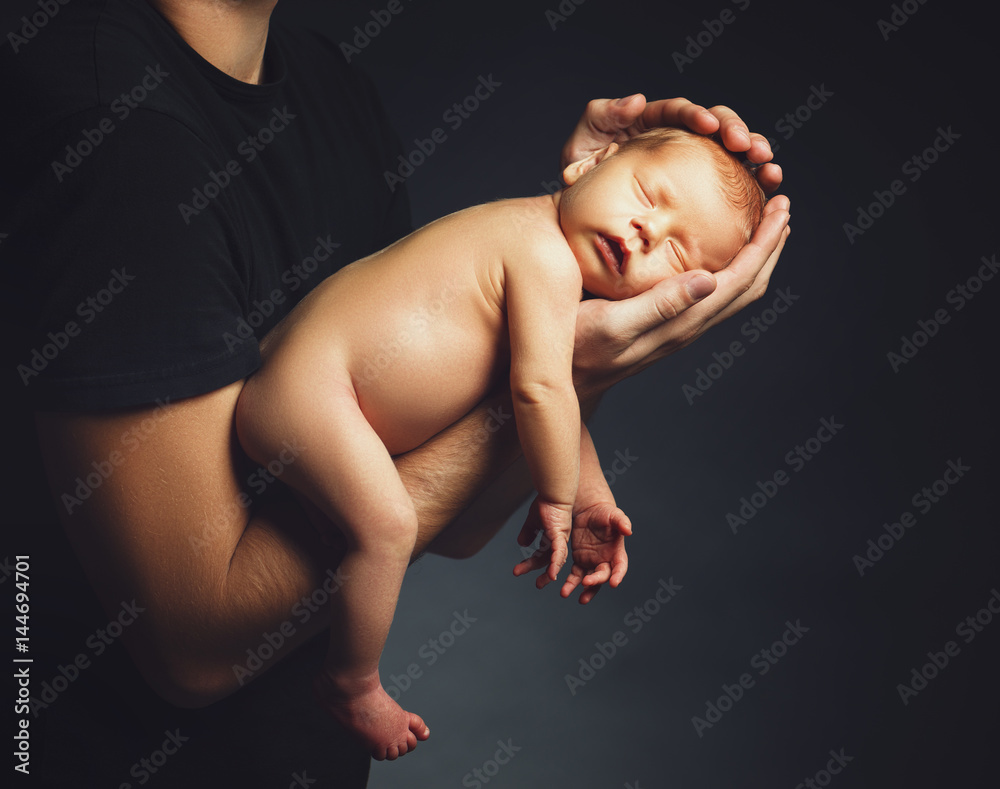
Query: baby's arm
{"type": "Point", "coordinates": [599, 529]}
{"type": "Point", "coordinates": [598, 534]}
{"type": "Point", "coordinates": [543, 295]}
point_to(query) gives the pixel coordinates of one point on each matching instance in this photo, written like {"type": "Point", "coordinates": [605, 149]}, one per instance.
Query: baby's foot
{"type": "Point", "coordinates": [386, 729]}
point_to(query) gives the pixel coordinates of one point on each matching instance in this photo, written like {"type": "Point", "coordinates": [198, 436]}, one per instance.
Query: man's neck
{"type": "Point", "coordinates": [229, 34]}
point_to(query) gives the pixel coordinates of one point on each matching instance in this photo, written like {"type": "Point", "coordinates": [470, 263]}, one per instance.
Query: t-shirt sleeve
{"type": "Point", "coordinates": [398, 219]}
{"type": "Point", "coordinates": [123, 301]}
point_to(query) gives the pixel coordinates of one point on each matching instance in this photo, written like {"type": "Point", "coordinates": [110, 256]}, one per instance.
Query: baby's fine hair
{"type": "Point", "coordinates": [736, 180]}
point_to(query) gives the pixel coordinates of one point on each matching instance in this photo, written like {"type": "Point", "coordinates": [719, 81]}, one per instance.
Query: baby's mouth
{"type": "Point", "coordinates": [613, 252]}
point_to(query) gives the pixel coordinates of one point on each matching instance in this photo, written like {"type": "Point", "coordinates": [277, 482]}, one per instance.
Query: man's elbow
{"type": "Point", "coordinates": [188, 683]}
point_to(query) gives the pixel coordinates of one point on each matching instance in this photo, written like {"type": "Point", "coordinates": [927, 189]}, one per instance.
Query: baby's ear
{"type": "Point", "coordinates": [573, 171]}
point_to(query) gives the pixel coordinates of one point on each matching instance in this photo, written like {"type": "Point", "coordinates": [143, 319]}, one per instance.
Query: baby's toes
{"type": "Point", "coordinates": [418, 728]}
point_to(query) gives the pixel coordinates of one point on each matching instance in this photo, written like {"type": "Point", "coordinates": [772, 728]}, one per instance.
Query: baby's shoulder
{"type": "Point", "coordinates": [530, 231]}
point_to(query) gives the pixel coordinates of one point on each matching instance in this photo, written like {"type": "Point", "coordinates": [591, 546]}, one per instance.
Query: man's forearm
{"type": "Point", "coordinates": [446, 474]}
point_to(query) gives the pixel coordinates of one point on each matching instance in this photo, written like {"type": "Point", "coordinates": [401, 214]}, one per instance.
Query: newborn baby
{"type": "Point", "coordinates": [396, 347]}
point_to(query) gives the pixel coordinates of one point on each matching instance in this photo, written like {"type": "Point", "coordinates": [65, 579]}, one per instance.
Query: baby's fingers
{"type": "Point", "coordinates": [533, 562]}
{"type": "Point", "coordinates": [573, 581]}
{"type": "Point", "coordinates": [560, 553]}
{"type": "Point", "coordinates": [588, 594]}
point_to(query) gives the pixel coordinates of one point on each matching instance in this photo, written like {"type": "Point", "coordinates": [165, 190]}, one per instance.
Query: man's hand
{"type": "Point", "coordinates": [599, 557]}
{"type": "Point", "coordinates": [616, 120]}
{"type": "Point", "coordinates": [616, 339]}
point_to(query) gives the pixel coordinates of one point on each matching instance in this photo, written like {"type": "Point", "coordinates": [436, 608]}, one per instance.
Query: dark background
{"type": "Point", "coordinates": [504, 679]}
{"type": "Point", "coordinates": [691, 459]}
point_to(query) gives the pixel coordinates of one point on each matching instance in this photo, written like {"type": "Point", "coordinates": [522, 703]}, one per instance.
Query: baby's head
{"type": "Point", "coordinates": [664, 202]}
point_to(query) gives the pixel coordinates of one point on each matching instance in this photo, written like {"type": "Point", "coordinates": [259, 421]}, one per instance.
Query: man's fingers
{"type": "Point", "coordinates": [543, 580]}
{"type": "Point", "coordinates": [760, 282]}
{"type": "Point", "coordinates": [777, 203]}
{"type": "Point", "coordinates": [588, 594]}
{"type": "Point", "coordinates": [769, 177]}
{"type": "Point", "coordinates": [620, 569]}
{"type": "Point", "coordinates": [663, 302]}
{"type": "Point", "coordinates": [573, 581]}
{"type": "Point", "coordinates": [742, 272]}
{"type": "Point", "coordinates": [741, 282]}
{"type": "Point", "coordinates": [600, 124]}
{"type": "Point", "coordinates": [760, 149]}
{"type": "Point", "coordinates": [621, 522]}
{"type": "Point", "coordinates": [678, 112]}
{"type": "Point", "coordinates": [598, 575]}
{"type": "Point", "coordinates": [733, 131]}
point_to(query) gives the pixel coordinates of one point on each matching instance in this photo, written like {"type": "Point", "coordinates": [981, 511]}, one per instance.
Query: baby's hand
{"type": "Point", "coordinates": [599, 557]}
{"type": "Point", "coordinates": [555, 522]}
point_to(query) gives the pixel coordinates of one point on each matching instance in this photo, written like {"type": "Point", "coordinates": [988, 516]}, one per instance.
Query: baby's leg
{"type": "Point", "coordinates": [346, 470]}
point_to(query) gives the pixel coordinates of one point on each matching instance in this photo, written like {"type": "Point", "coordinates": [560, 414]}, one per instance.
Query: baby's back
{"type": "Point", "coordinates": [417, 330]}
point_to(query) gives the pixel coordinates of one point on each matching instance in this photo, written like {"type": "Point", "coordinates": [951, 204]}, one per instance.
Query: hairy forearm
{"type": "Point", "coordinates": [593, 485]}
{"type": "Point", "coordinates": [214, 584]}
{"type": "Point", "coordinates": [445, 475]}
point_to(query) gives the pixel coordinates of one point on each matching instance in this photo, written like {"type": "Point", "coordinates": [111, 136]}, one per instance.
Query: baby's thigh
{"type": "Point", "coordinates": [298, 380]}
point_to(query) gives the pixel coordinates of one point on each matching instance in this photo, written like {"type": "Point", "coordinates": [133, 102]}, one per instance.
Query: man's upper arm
{"type": "Point", "coordinates": [152, 502]}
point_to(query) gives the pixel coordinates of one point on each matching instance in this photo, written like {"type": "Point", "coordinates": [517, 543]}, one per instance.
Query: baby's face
{"type": "Point", "coordinates": [645, 215]}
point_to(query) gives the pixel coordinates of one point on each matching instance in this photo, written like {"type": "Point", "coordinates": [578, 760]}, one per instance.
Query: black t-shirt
{"type": "Point", "coordinates": [157, 217]}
